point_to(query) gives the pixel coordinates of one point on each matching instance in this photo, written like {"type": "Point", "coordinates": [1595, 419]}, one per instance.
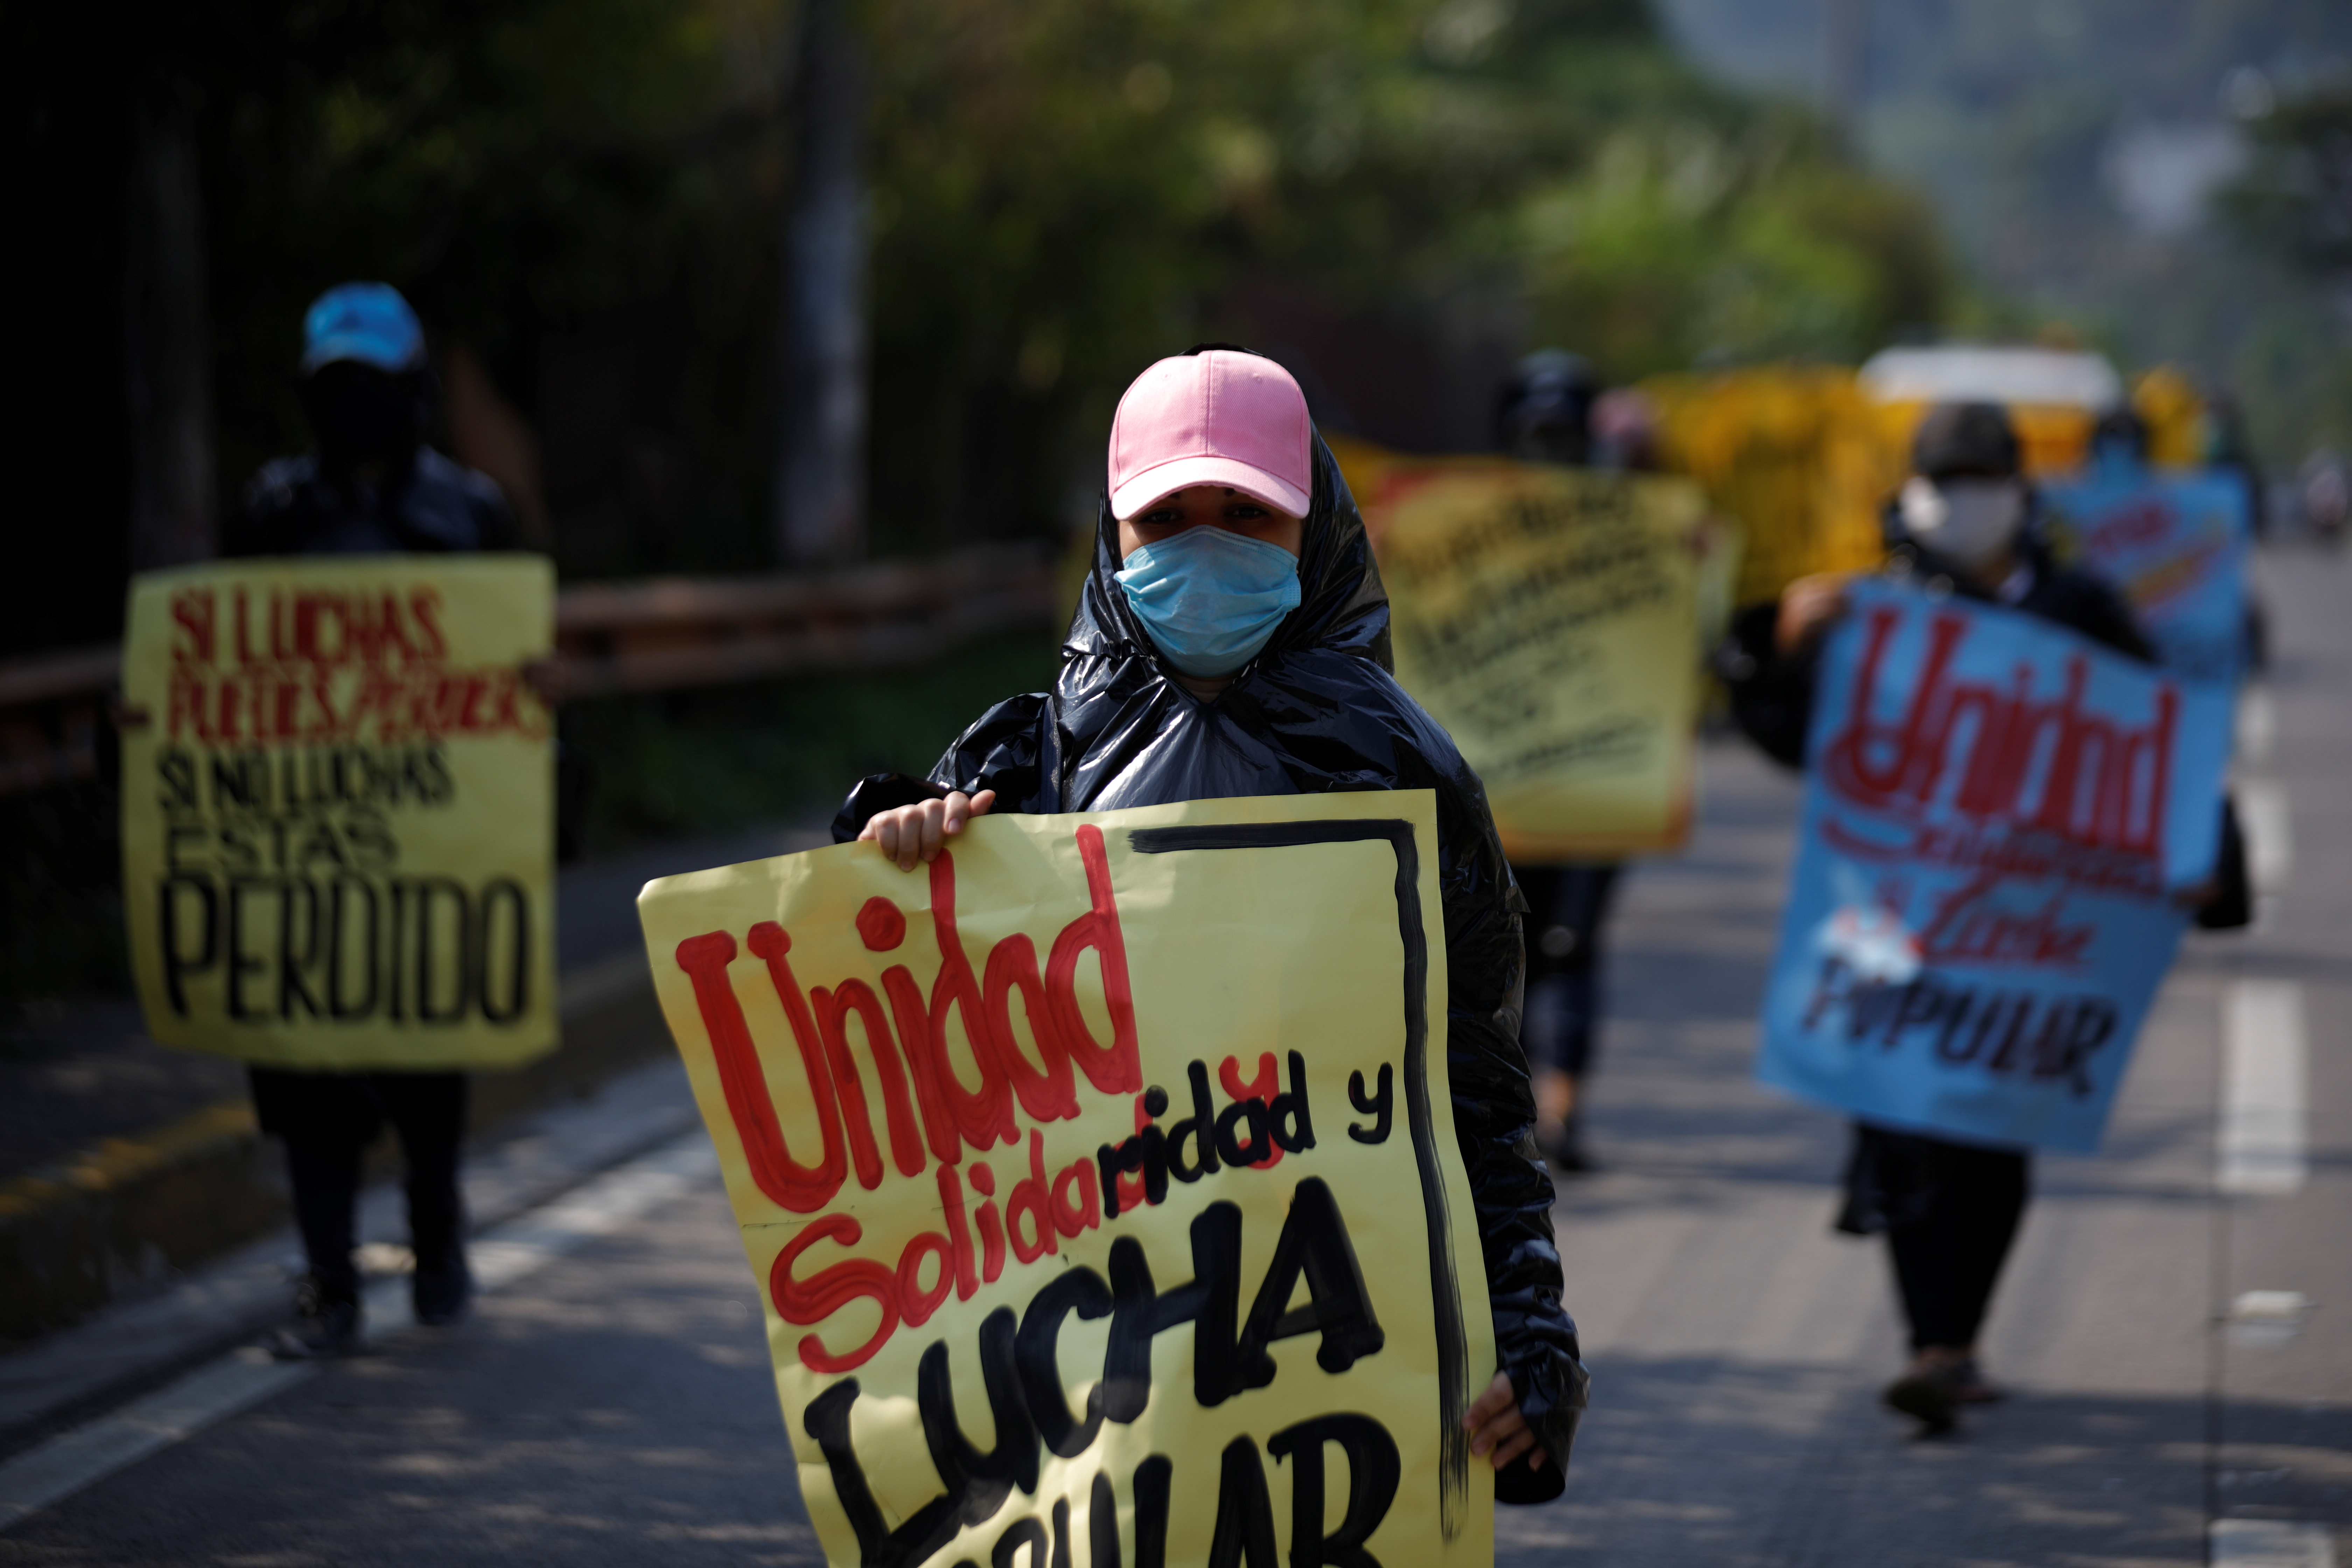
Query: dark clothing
{"type": "Point", "coordinates": [1950, 1210]}
{"type": "Point", "coordinates": [295, 506]}
{"type": "Point", "coordinates": [1567, 907]}
{"type": "Point", "coordinates": [1316, 712]}
{"type": "Point", "coordinates": [328, 1120]}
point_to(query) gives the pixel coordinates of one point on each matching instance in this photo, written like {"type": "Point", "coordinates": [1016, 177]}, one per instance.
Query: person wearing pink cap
{"type": "Point", "coordinates": [1233, 640]}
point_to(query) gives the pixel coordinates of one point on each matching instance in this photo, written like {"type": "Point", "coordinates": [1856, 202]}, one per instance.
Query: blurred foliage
{"type": "Point", "coordinates": [525, 172]}
{"type": "Point", "coordinates": [2067, 146]}
{"type": "Point", "coordinates": [1062, 190]}
{"type": "Point", "coordinates": [2296, 194]}
{"type": "Point", "coordinates": [709, 761]}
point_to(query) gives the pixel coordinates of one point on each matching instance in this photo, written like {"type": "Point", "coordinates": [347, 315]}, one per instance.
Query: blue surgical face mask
{"type": "Point", "coordinates": [1210, 597]}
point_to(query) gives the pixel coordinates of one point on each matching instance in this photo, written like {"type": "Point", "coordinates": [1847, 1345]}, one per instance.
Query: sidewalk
{"type": "Point", "coordinates": [123, 1164]}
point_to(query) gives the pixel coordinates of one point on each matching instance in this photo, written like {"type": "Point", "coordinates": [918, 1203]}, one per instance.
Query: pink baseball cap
{"type": "Point", "coordinates": [1216, 417]}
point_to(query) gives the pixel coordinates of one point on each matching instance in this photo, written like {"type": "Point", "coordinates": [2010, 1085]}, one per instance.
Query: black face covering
{"type": "Point", "coordinates": [365, 414]}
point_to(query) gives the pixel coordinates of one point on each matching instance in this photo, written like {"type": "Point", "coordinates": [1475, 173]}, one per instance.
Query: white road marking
{"type": "Point", "coordinates": [2271, 1543]}
{"type": "Point", "coordinates": [213, 1393]}
{"type": "Point", "coordinates": [2257, 724]}
{"type": "Point", "coordinates": [2262, 1144]}
{"type": "Point", "coordinates": [2270, 836]}
{"type": "Point", "coordinates": [2268, 1319]}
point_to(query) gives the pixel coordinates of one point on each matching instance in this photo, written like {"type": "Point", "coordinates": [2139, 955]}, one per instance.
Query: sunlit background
{"type": "Point", "coordinates": [595, 204]}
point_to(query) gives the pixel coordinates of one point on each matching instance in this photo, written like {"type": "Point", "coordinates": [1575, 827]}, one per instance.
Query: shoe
{"type": "Point", "coordinates": [326, 1324]}
{"type": "Point", "coordinates": [441, 1294]}
{"type": "Point", "coordinates": [1928, 1394]}
{"type": "Point", "coordinates": [1970, 1387]}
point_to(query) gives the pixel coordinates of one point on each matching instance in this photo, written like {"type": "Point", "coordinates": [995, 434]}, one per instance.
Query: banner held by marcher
{"type": "Point", "coordinates": [1101, 1182]}
{"type": "Point", "coordinates": [2001, 819]}
{"type": "Point", "coordinates": [1549, 618]}
{"type": "Point", "coordinates": [337, 813]}
{"type": "Point", "coordinates": [2177, 546]}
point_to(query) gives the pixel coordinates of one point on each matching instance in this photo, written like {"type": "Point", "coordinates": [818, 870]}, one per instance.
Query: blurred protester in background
{"type": "Point", "coordinates": [372, 487]}
{"type": "Point", "coordinates": [1960, 525]}
{"type": "Point", "coordinates": [2327, 496]}
{"type": "Point", "coordinates": [2228, 447]}
{"type": "Point", "coordinates": [2119, 451]}
{"type": "Point", "coordinates": [1552, 410]}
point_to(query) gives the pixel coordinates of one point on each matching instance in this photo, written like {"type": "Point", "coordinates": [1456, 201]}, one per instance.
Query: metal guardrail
{"type": "Point", "coordinates": [661, 634]}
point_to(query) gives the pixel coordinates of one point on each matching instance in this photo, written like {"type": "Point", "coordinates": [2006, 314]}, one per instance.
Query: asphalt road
{"type": "Point", "coordinates": [615, 1406]}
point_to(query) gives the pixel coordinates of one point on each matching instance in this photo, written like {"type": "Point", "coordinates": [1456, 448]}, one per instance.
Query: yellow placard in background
{"type": "Point", "coordinates": [1797, 454]}
{"type": "Point", "coordinates": [338, 817]}
{"type": "Point", "coordinates": [1548, 617]}
{"type": "Point", "coordinates": [1101, 1183]}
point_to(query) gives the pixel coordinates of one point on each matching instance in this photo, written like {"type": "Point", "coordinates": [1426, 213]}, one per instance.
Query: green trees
{"type": "Point", "coordinates": [584, 197]}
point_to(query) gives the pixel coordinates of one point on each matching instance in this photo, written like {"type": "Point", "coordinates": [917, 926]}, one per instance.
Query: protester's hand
{"type": "Point", "coordinates": [913, 834]}
{"type": "Point", "coordinates": [1808, 606]}
{"type": "Point", "coordinates": [1496, 1427]}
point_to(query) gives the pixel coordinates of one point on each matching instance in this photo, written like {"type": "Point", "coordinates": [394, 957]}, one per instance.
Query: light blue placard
{"type": "Point", "coordinates": [2175, 543]}
{"type": "Point", "coordinates": [1996, 812]}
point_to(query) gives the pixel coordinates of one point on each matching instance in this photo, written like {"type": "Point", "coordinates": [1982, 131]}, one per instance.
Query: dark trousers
{"type": "Point", "coordinates": [1567, 906]}
{"type": "Point", "coordinates": [328, 1120]}
{"type": "Point", "coordinates": [1950, 1212]}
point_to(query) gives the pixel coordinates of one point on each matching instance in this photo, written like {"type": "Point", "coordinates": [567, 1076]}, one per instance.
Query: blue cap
{"type": "Point", "coordinates": [369, 323]}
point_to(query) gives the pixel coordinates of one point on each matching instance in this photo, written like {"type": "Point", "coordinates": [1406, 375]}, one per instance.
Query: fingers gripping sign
{"type": "Point", "coordinates": [914, 835]}
{"type": "Point", "coordinates": [1498, 1434]}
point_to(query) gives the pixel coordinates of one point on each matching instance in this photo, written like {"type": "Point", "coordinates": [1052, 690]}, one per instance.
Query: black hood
{"type": "Point", "coordinates": [1342, 606]}
{"type": "Point", "coordinates": [1316, 712]}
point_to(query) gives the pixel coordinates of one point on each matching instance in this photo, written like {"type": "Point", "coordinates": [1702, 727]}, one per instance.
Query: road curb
{"type": "Point", "coordinates": [121, 1218]}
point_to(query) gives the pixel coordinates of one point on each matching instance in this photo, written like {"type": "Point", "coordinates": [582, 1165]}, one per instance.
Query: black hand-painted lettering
{"type": "Point", "coordinates": [1314, 1246]}
{"type": "Point", "coordinates": [1380, 1105]}
{"type": "Point", "coordinates": [497, 893]}
{"type": "Point", "coordinates": [431, 890]}
{"type": "Point", "coordinates": [1452, 1336]}
{"type": "Point", "coordinates": [1230, 1146]}
{"type": "Point", "coordinates": [980, 1481]}
{"type": "Point", "coordinates": [1080, 1290]}
{"type": "Point", "coordinates": [176, 770]}
{"type": "Point", "coordinates": [1211, 1303]}
{"type": "Point", "coordinates": [1293, 1124]}
{"type": "Point", "coordinates": [348, 898]}
{"type": "Point", "coordinates": [239, 964]}
{"type": "Point", "coordinates": [1154, 1480]}
{"type": "Point", "coordinates": [1102, 1524]}
{"type": "Point", "coordinates": [1244, 1532]}
{"type": "Point", "coordinates": [933, 1525]}
{"type": "Point", "coordinates": [178, 962]}
{"type": "Point", "coordinates": [1200, 1129]}
{"type": "Point", "coordinates": [295, 958]}
{"type": "Point", "coordinates": [1373, 1470]}
{"type": "Point", "coordinates": [1021, 1533]}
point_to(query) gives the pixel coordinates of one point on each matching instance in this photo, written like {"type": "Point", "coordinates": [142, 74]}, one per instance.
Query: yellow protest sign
{"type": "Point", "coordinates": [338, 818]}
{"type": "Point", "coordinates": [1796, 453]}
{"type": "Point", "coordinates": [1101, 1183]}
{"type": "Point", "coordinates": [1549, 618]}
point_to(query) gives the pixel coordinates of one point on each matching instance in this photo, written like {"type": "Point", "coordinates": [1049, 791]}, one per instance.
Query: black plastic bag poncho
{"type": "Point", "coordinates": [1317, 710]}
